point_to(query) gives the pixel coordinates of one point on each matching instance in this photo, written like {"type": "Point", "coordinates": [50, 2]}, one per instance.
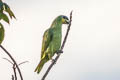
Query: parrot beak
{"type": "Point", "coordinates": [66, 21]}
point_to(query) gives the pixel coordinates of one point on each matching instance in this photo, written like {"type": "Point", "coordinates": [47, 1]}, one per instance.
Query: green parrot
{"type": "Point", "coordinates": [1, 33]}
{"type": "Point", "coordinates": [51, 41]}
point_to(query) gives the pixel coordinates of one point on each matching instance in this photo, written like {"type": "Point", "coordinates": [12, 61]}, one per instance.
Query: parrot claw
{"type": "Point", "coordinates": [59, 51]}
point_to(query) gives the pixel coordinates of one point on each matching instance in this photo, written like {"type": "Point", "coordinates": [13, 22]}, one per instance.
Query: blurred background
{"type": "Point", "coordinates": [92, 50]}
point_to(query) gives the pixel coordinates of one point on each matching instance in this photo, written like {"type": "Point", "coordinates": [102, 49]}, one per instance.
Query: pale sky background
{"type": "Point", "coordinates": [92, 51]}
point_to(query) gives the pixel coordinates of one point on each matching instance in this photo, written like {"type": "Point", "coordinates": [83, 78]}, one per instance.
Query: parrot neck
{"type": "Point", "coordinates": [57, 24]}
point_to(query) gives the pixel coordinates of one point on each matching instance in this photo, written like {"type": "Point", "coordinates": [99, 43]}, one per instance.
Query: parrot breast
{"type": "Point", "coordinates": [56, 41]}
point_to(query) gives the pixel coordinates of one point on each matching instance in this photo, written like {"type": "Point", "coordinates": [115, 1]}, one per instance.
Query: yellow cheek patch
{"type": "Point", "coordinates": [63, 20]}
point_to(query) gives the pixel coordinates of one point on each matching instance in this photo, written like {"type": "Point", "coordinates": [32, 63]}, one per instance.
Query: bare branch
{"type": "Point", "coordinates": [13, 61]}
{"type": "Point", "coordinates": [14, 69]}
{"type": "Point", "coordinates": [59, 53]}
{"type": "Point", "coordinates": [12, 77]}
{"type": "Point", "coordinates": [23, 63]}
{"type": "Point", "coordinates": [8, 60]}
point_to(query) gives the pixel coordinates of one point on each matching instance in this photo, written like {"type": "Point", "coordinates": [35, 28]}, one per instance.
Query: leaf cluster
{"type": "Point", "coordinates": [5, 8]}
{"type": "Point", "coordinates": [4, 11]}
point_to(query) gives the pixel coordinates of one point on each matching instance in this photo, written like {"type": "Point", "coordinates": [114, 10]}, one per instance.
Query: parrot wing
{"type": "Point", "coordinates": [47, 38]}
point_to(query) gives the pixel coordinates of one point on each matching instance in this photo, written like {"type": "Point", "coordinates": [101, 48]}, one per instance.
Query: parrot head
{"type": "Point", "coordinates": [65, 19]}
{"type": "Point", "coordinates": [61, 19]}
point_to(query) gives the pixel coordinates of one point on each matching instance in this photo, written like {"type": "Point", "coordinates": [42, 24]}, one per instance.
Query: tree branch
{"type": "Point", "coordinates": [22, 63]}
{"type": "Point", "coordinates": [59, 53]}
{"type": "Point", "coordinates": [13, 61]}
{"type": "Point", "coordinates": [14, 69]}
{"type": "Point", "coordinates": [14, 77]}
{"type": "Point", "coordinates": [8, 61]}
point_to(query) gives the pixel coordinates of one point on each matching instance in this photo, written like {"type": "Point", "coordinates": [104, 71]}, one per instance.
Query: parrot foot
{"type": "Point", "coordinates": [59, 51]}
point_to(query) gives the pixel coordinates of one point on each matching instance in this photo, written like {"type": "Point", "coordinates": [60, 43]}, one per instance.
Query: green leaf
{"type": "Point", "coordinates": [1, 6]}
{"type": "Point", "coordinates": [4, 17]}
{"type": "Point", "coordinates": [8, 10]}
{"type": "Point", "coordinates": [1, 33]}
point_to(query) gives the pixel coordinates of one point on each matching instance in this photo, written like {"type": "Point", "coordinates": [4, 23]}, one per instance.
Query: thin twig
{"type": "Point", "coordinates": [12, 77]}
{"type": "Point", "coordinates": [13, 61]}
{"type": "Point", "coordinates": [14, 69]}
{"type": "Point", "coordinates": [8, 61]}
{"type": "Point", "coordinates": [18, 64]}
{"type": "Point", "coordinates": [63, 44]}
{"type": "Point", "coordinates": [22, 63]}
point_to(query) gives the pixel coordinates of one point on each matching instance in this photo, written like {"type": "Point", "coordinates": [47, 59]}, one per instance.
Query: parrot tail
{"type": "Point", "coordinates": [40, 65]}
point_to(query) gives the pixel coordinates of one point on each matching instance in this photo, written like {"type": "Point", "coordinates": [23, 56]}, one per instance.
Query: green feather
{"type": "Point", "coordinates": [51, 42]}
